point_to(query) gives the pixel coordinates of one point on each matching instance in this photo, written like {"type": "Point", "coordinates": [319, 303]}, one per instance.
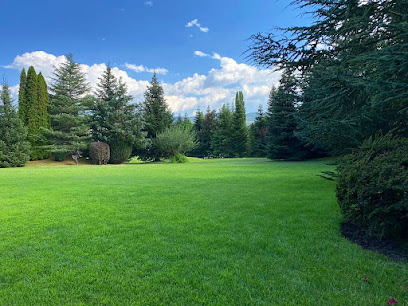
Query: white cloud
{"type": "Point", "coordinates": [201, 54]}
{"type": "Point", "coordinates": [142, 68]}
{"type": "Point", "coordinates": [214, 88]}
{"type": "Point", "coordinates": [149, 3]}
{"type": "Point", "coordinates": [198, 25]}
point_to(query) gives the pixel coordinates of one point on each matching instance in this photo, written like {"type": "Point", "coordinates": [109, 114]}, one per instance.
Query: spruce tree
{"type": "Point", "coordinates": [240, 129]}
{"type": "Point", "coordinates": [69, 131]}
{"type": "Point", "coordinates": [156, 115]}
{"type": "Point", "coordinates": [257, 140]}
{"type": "Point", "coordinates": [115, 120]}
{"type": "Point", "coordinates": [222, 138]}
{"type": "Point", "coordinates": [22, 104]}
{"type": "Point", "coordinates": [282, 122]}
{"type": "Point", "coordinates": [14, 147]}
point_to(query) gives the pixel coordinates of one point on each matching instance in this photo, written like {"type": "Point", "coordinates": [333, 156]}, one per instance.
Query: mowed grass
{"type": "Point", "coordinates": [242, 231]}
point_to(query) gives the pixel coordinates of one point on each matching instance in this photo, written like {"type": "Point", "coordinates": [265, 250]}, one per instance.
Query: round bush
{"type": "Point", "coordinates": [60, 156]}
{"type": "Point", "coordinates": [372, 187]}
{"type": "Point", "coordinates": [120, 152]}
{"type": "Point", "coordinates": [99, 153]}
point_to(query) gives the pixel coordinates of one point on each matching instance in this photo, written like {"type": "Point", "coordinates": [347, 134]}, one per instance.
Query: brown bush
{"type": "Point", "coordinates": [99, 153]}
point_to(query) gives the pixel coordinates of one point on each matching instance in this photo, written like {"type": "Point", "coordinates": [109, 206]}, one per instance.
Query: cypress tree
{"type": "Point", "coordinates": [240, 130]}
{"type": "Point", "coordinates": [115, 119]}
{"type": "Point", "coordinates": [14, 148]}
{"type": "Point", "coordinates": [22, 104]}
{"type": "Point", "coordinates": [69, 130]}
{"type": "Point", "coordinates": [31, 99]}
{"type": "Point", "coordinates": [156, 115]}
{"type": "Point", "coordinates": [222, 139]}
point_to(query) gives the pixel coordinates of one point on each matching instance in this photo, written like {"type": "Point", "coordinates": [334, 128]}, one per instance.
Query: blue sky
{"type": "Point", "coordinates": [196, 46]}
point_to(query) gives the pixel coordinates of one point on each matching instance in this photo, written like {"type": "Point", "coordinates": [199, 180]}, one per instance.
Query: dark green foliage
{"type": "Point", "coordinates": [184, 122]}
{"type": "Point", "coordinates": [156, 115]}
{"type": "Point", "coordinates": [121, 153]}
{"type": "Point", "coordinates": [372, 186]}
{"type": "Point", "coordinates": [205, 128]}
{"type": "Point", "coordinates": [282, 122]}
{"type": "Point", "coordinates": [115, 120]}
{"type": "Point", "coordinates": [99, 153]}
{"type": "Point", "coordinates": [239, 128]}
{"type": "Point", "coordinates": [60, 156]}
{"type": "Point", "coordinates": [257, 140]}
{"type": "Point", "coordinates": [222, 138]}
{"type": "Point", "coordinates": [22, 104]}
{"type": "Point", "coordinates": [41, 122]}
{"type": "Point", "coordinates": [31, 100]}
{"type": "Point", "coordinates": [353, 63]}
{"type": "Point", "coordinates": [175, 140]}
{"type": "Point", "coordinates": [69, 131]}
{"type": "Point", "coordinates": [14, 147]}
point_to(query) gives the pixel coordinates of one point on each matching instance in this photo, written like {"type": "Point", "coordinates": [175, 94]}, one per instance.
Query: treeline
{"type": "Point", "coordinates": [67, 120]}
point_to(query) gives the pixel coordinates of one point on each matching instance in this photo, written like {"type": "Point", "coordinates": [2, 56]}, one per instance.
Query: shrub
{"type": "Point", "coordinates": [372, 186]}
{"type": "Point", "coordinates": [120, 152]}
{"type": "Point", "coordinates": [178, 158]}
{"type": "Point", "coordinates": [60, 156]}
{"type": "Point", "coordinates": [99, 153]}
{"type": "Point", "coordinates": [175, 140]}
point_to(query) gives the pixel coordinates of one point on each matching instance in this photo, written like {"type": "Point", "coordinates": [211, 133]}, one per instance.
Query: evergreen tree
{"type": "Point", "coordinates": [39, 120]}
{"type": "Point", "coordinates": [239, 127]}
{"type": "Point", "coordinates": [14, 147]}
{"type": "Point", "coordinates": [351, 62]}
{"type": "Point", "coordinates": [205, 134]}
{"type": "Point", "coordinates": [222, 138]}
{"type": "Point", "coordinates": [156, 115]}
{"type": "Point", "coordinates": [115, 119]}
{"type": "Point", "coordinates": [69, 131]}
{"type": "Point", "coordinates": [282, 123]}
{"type": "Point", "coordinates": [22, 104]}
{"type": "Point", "coordinates": [257, 135]}
{"type": "Point", "coordinates": [188, 125]}
{"type": "Point", "coordinates": [31, 99]}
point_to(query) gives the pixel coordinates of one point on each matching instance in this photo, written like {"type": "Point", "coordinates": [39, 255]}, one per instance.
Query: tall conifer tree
{"type": "Point", "coordinates": [115, 119]}
{"type": "Point", "coordinates": [258, 135]}
{"type": "Point", "coordinates": [240, 129]}
{"type": "Point", "coordinates": [156, 115]}
{"type": "Point", "coordinates": [222, 138]}
{"type": "Point", "coordinates": [14, 147]}
{"type": "Point", "coordinates": [22, 104]}
{"type": "Point", "coordinates": [69, 131]}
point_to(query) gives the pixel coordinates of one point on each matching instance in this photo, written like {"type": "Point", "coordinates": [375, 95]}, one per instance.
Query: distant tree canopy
{"type": "Point", "coordinates": [352, 67]}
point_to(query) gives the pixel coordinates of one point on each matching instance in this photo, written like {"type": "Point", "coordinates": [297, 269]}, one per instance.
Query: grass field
{"type": "Point", "coordinates": [243, 231]}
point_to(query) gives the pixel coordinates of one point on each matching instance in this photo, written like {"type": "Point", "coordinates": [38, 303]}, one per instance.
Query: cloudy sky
{"type": "Point", "coordinates": [196, 47]}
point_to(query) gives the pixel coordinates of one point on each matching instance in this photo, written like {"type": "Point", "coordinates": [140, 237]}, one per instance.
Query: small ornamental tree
{"type": "Point", "coordinates": [372, 186]}
{"type": "Point", "coordinates": [14, 147]}
{"type": "Point", "coordinates": [175, 140]}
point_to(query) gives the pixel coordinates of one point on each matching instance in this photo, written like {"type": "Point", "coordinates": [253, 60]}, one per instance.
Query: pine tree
{"type": "Point", "coordinates": [22, 104]}
{"type": "Point", "coordinates": [257, 140]}
{"type": "Point", "coordinates": [222, 138]}
{"type": "Point", "coordinates": [282, 122]}
{"type": "Point", "coordinates": [69, 131]}
{"type": "Point", "coordinates": [115, 119]}
{"type": "Point", "coordinates": [156, 115]}
{"type": "Point", "coordinates": [240, 129]}
{"type": "Point", "coordinates": [14, 147]}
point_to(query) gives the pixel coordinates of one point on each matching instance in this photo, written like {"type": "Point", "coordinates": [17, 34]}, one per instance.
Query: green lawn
{"type": "Point", "coordinates": [243, 231]}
